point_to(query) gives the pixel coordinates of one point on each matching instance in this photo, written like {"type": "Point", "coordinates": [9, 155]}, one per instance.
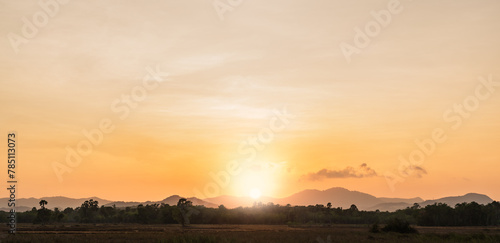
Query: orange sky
{"type": "Point", "coordinates": [227, 81]}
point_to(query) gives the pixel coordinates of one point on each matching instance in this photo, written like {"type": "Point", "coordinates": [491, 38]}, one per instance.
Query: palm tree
{"type": "Point", "coordinates": [43, 203]}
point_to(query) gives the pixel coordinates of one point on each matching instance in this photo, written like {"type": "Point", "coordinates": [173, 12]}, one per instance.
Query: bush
{"type": "Point", "coordinates": [375, 228]}
{"type": "Point", "coordinates": [400, 226]}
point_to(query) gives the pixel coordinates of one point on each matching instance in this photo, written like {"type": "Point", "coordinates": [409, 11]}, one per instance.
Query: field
{"type": "Point", "coordinates": [241, 233]}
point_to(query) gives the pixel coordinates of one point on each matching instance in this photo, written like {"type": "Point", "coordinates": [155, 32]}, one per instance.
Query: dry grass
{"type": "Point", "coordinates": [76, 233]}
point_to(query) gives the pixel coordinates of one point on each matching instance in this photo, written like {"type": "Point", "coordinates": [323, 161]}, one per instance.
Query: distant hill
{"type": "Point", "coordinates": [53, 202]}
{"type": "Point", "coordinates": [341, 197]}
{"type": "Point", "coordinates": [391, 206]}
{"type": "Point", "coordinates": [26, 204]}
{"type": "Point", "coordinates": [172, 200]}
{"type": "Point", "coordinates": [399, 200]}
{"type": "Point", "coordinates": [452, 201]}
{"type": "Point", "coordinates": [18, 209]}
{"type": "Point", "coordinates": [234, 202]}
{"type": "Point", "coordinates": [337, 196]}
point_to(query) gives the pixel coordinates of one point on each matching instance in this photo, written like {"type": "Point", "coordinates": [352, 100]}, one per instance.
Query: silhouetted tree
{"type": "Point", "coordinates": [353, 208]}
{"type": "Point", "coordinates": [148, 214]}
{"type": "Point", "coordinates": [438, 214]}
{"type": "Point", "coordinates": [186, 209]}
{"type": "Point", "coordinates": [43, 214]}
{"type": "Point", "coordinates": [415, 206]}
{"type": "Point", "coordinates": [88, 210]}
{"type": "Point", "coordinates": [43, 203]}
{"type": "Point", "coordinates": [58, 215]}
{"type": "Point", "coordinates": [464, 214]}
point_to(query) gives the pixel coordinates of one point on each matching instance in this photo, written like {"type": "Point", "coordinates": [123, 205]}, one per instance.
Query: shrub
{"type": "Point", "coordinates": [375, 228]}
{"type": "Point", "coordinates": [400, 226]}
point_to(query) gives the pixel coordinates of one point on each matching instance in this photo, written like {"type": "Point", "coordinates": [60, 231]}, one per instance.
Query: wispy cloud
{"type": "Point", "coordinates": [349, 172]}
{"type": "Point", "coordinates": [419, 171]}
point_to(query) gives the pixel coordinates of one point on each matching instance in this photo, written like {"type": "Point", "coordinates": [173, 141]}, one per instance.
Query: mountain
{"type": "Point", "coordinates": [390, 206]}
{"type": "Point", "coordinates": [452, 201]}
{"type": "Point", "coordinates": [234, 202]}
{"type": "Point", "coordinates": [341, 197]}
{"type": "Point", "coordinates": [18, 209]}
{"type": "Point", "coordinates": [172, 200]}
{"type": "Point", "coordinates": [393, 204]}
{"type": "Point", "coordinates": [399, 200]}
{"type": "Point", "coordinates": [337, 196]}
{"type": "Point", "coordinates": [24, 204]}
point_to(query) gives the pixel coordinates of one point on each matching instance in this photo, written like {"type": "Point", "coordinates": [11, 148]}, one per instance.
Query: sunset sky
{"type": "Point", "coordinates": [224, 78]}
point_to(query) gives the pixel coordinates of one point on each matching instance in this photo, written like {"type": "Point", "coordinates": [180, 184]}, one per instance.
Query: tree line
{"type": "Point", "coordinates": [439, 214]}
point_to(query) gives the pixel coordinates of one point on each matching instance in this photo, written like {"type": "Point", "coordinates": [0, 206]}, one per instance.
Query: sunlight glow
{"type": "Point", "coordinates": [255, 193]}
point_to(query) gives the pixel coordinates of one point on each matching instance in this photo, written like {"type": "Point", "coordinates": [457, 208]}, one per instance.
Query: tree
{"type": "Point", "coordinates": [88, 210]}
{"type": "Point", "coordinates": [353, 208]}
{"type": "Point", "coordinates": [186, 209]}
{"type": "Point", "coordinates": [58, 215]}
{"type": "Point", "coordinates": [147, 214]}
{"type": "Point", "coordinates": [415, 206]}
{"type": "Point", "coordinates": [43, 203]}
{"type": "Point", "coordinates": [167, 214]}
{"type": "Point", "coordinates": [470, 214]}
{"type": "Point", "coordinates": [329, 205]}
{"type": "Point", "coordinates": [43, 214]}
{"type": "Point", "coordinates": [437, 214]}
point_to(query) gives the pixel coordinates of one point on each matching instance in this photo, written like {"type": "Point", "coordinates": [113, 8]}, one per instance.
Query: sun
{"type": "Point", "coordinates": [257, 180]}
{"type": "Point", "coordinates": [255, 193]}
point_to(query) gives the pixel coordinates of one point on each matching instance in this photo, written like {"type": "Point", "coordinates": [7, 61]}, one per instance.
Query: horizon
{"type": "Point", "coordinates": [393, 98]}
{"type": "Point", "coordinates": [262, 196]}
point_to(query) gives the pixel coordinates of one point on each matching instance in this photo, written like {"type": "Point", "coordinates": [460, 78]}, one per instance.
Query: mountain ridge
{"type": "Point", "coordinates": [337, 196]}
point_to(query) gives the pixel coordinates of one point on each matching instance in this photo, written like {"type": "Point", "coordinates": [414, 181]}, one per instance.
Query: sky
{"type": "Point", "coordinates": [136, 101]}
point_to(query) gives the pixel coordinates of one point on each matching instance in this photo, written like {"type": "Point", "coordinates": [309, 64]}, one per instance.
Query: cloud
{"type": "Point", "coordinates": [349, 172]}
{"type": "Point", "coordinates": [414, 171]}
{"type": "Point", "coordinates": [419, 171]}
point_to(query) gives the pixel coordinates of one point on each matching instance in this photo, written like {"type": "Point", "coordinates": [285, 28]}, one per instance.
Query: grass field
{"type": "Point", "coordinates": [241, 233]}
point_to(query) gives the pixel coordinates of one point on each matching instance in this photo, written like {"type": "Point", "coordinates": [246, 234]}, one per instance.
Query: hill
{"type": "Point", "coordinates": [337, 196]}
{"type": "Point", "coordinates": [341, 197]}
{"type": "Point", "coordinates": [24, 204]}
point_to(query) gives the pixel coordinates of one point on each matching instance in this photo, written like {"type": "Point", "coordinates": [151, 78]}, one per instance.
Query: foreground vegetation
{"type": "Point", "coordinates": [465, 214]}
{"type": "Point", "coordinates": [185, 223]}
